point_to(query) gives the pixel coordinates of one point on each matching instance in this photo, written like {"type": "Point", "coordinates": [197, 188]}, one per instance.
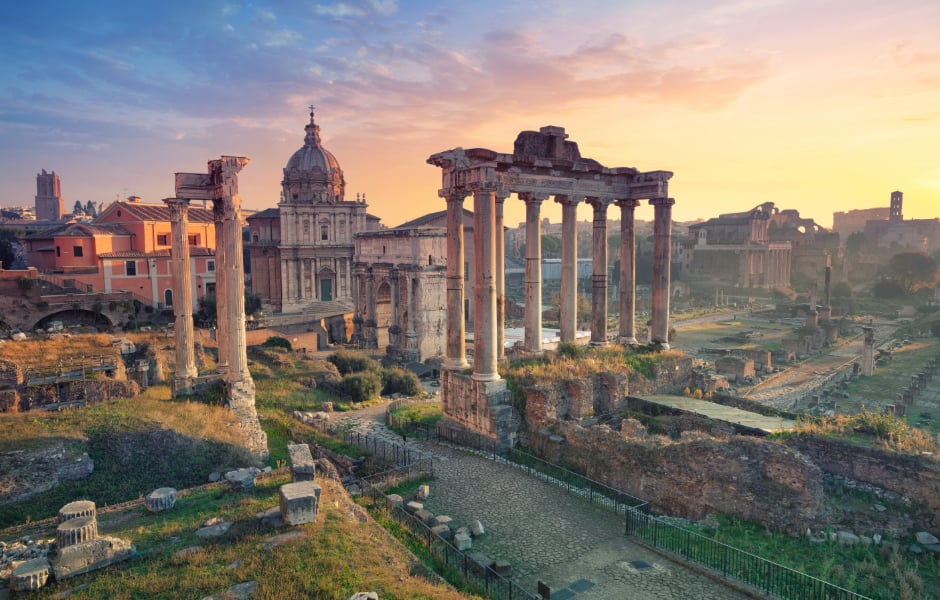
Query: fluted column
{"type": "Point", "coordinates": [484, 289]}
{"type": "Point", "coordinates": [456, 357]}
{"type": "Point", "coordinates": [500, 275]}
{"type": "Point", "coordinates": [533, 271]}
{"type": "Point", "coordinates": [182, 293]}
{"type": "Point", "coordinates": [662, 251]}
{"type": "Point", "coordinates": [627, 271]}
{"type": "Point", "coordinates": [233, 302]}
{"type": "Point", "coordinates": [569, 267]}
{"type": "Point", "coordinates": [599, 272]}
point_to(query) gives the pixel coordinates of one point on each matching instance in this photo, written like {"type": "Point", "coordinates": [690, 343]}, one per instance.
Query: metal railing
{"type": "Point", "coordinates": [479, 577]}
{"type": "Point", "coordinates": [767, 576]}
{"type": "Point", "coordinates": [385, 450]}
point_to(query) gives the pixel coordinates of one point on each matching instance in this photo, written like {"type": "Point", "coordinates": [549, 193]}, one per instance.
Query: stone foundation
{"type": "Point", "coordinates": [240, 396]}
{"type": "Point", "coordinates": [479, 406]}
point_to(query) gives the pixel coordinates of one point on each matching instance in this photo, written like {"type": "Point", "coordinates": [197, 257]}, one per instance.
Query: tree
{"type": "Point", "coordinates": [10, 248]}
{"type": "Point", "coordinates": [551, 246]}
{"type": "Point", "coordinates": [90, 209]}
{"type": "Point", "coordinates": [912, 270]}
{"type": "Point", "coordinates": [855, 242]}
{"type": "Point", "coordinates": [78, 209]}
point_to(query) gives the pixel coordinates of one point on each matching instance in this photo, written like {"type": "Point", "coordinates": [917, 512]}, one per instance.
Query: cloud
{"type": "Point", "coordinates": [342, 10]}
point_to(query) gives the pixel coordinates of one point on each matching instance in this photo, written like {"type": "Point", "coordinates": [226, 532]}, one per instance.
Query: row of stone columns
{"type": "Point", "coordinates": [488, 286]}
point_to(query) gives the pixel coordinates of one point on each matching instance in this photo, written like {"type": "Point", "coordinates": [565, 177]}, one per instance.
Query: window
{"type": "Point", "coordinates": [168, 298]}
{"type": "Point", "coordinates": [163, 239]}
{"type": "Point", "coordinates": [210, 289]}
{"type": "Point", "coordinates": [78, 251]}
{"type": "Point", "coordinates": [324, 232]}
{"type": "Point", "coordinates": [194, 240]}
{"type": "Point", "coordinates": [210, 266]}
{"type": "Point", "coordinates": [130, 268]}
{"type": "Point", "coordinates": [58, 251]}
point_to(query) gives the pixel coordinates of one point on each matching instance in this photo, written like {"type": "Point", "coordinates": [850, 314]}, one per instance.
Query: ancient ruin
{"type": "Point", "coordinates": [220, 186]}
{"type": "Point", "coordinates": [543, 164]}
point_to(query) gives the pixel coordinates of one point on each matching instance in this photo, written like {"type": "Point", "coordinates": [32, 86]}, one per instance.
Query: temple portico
{"type": "Point", "coordinates": [543, 165]}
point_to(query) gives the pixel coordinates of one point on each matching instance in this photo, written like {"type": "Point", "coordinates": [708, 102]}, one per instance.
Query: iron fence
{"type": "Point", "coordinates": [769, 577]}
{"type": "Point", "coordinates": [479, 577]}
{"type": "Point", "coordinates": [383, 449]}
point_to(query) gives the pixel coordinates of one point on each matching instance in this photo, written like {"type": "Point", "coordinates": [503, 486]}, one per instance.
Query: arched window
{"type": "Point", "coordinates": [168, 298]}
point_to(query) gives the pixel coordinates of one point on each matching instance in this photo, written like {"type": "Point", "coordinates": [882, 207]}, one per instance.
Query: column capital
{"type": "Point", "coordinates": [566, 199]}
{"type": "Point", "coordinates": [477, 187]}
{"type": "Point", "coordinates": [662, 201]}
{"type": "Point", "coordinates": [454, 194]}
{"type": "Point", "coordinates": [178, 206]}
{"type": "Point", "coordinates": [501, 194]}
{"type": "Point", "coordinates": [533, 197]}
{"type": "Point", "coordinates": [627, 203]}
{"type": "Point", "coordinates": [598, 203]}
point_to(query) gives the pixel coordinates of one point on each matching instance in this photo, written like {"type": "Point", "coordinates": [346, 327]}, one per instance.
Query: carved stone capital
{"type": "Point", "coordinates": [566, 199]}
{"type": "Point", "coordinates": [662, 201]}
{"type": "Point", "coordinates": [599, 204]}
{"type": "Point", "coordinates": [627, 203]}
{"type": "Point", "coordinates": [483, 187]}
{"type": "Point", "coordinates": [178, 207]}
{"type": "Point", "coordinates": [453, 194]}
{"type": "Point", "coordinates": [533, 197]}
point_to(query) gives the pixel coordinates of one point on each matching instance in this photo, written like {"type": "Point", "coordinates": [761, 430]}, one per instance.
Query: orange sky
{"type": "Point", "coordinates": [819, 105]}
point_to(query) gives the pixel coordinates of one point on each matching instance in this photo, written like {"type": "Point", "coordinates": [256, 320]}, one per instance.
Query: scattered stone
{"type": "Point", "coordinates": [876, 539]}
{"type": "Point", "coordinates": [414, 507]}
{"type": "Point", "coordinates": [241, 479]}
{"type": "Point", "coordinates": [442, 520]}
{"type": "Point", "coordinates": [283, 538]}
{"type": "Point", "coordinates": [79, 508]}
{"type": "Point", "coordinates": [423, 492]}
{"type": "Point", "coordinates": [476, 528]}
{"type": "Point", "coordinates": [502, 568]}
{"type": "Point", "coordinates": [187, 551]}
{"type": "Point", "coordinates": [425, 516]}
{"type": "Point", "coordinates": [160, 499]}
{"type": "Point", "coordinates": [933, 548]}
{"type": "Point", "coordinates": [880, 507]}
{"type": "Point", "coordinates": [925, 539]}
{"type": "Point", "coordinates": [216, 529]}
{"type": "Point", "coordinates": [395, 499]}
{"type": "Point", "coordinates": [214, 476]}
{"type": "Point", "coordinates": [480, 562]}
{"type": "Point", "coordinates": [30, 575]}
{"type": "Point", "coordinates": [442, 531]}
{"type": "Point", "coordinates": [88, 556]}
{"type": "Point", "coordinates": [462, 539]}
{"type": "Point", "coordinates": [234, 564]}
{"type": "Point", "coordinates": [303, 467]}
{"type": "Point", "coordinates": [866, 541]}
{"type": "Point", "coordinates": [915, 549]}
{"type": "Point", "coordinates": [847, 538]}
{"type": "Point", "coordinates": [75, 531]}
{"type": "Point", "coordinates": [298, 502]}
{"type": "Point", "coordinates": [242, 591]}
{"type": "Point", "coordinates": [365, 596]}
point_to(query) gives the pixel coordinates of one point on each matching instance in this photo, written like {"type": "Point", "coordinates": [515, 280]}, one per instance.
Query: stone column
{"type": "Point", "coordinates": [484, 289]}
{"type": "Point", "coordinates": [569, 267]}
{"type": "Point", "coordinates": [456, 357]}
{"type": "Point", "coordinates": [371, 323]}
{"type": "Point", "coordinates": [232, 304]}
{"type": "Point", "coordinates": [599, 272]}
{"type": "Point", "coordinates": [627, 272]}
{"type": "Point", "coordinates": [533, 271]}
{"type": "Point", "coordinates": [182, 296]}
{"type": "Point", "coordinates": [500, 276]}
{"type": "Point", "coordinates": [411, 336]}
{"type": "Point", "coordinates": [221, 280]}
{"type": "Point", "coordinates": [395, 329]}
{"type": "Point", "coordinates": [662, 251]}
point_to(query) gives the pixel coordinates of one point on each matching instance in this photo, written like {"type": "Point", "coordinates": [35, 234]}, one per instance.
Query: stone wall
{"type": "Point", "coordinates": [602, 394]}
{"type": "Point", "coordinates": [11, 374]}
{"type": "Point", "coordinates": [908, 476]}
{"type": "Point", "coordinates": [735, 368]}
{"type": "Point", "coordinates": [744, 477]}
{"type": "Point", "coordinates": [481, 406]}
{"type": "Point", "coordinates": [90, 391]}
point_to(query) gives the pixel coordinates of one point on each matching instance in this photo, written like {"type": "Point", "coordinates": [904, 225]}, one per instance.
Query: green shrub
{"type": "Point", "coordinates": [400, 381]}
{"type": "Point", "coordinates": [361, 386]}
{"type": "Point", "coordinates": [277, 342]}
{"type": "Point", "coordinates": [352, 362]}
{"type": "Point", "coordinates": [571, 350]}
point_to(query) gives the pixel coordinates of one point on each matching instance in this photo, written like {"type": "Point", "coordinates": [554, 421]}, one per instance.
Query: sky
{"type": "Point", "coordinates": [816, 105]}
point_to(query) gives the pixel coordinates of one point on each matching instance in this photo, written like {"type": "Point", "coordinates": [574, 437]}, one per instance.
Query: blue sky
{"type": "Point", "coordinates": [817, 105]}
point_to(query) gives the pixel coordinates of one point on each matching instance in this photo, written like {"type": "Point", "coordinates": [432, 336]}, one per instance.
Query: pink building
{"type": "Point", "coordinates": [126, 248]}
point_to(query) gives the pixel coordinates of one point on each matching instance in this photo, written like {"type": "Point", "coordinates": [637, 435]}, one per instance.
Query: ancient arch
{"type": "Point", "coordinates": [76, 317]}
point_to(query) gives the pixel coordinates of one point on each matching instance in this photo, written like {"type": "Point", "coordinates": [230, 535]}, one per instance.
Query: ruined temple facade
{"type": "Point", "coordinates": [302, 252]}
{"type": "Point", "coordinates": [735, 249]}
{"type": "Point", "coordinates": [895, 233]}
{"type": "Point", "coordinates": [543, 164]}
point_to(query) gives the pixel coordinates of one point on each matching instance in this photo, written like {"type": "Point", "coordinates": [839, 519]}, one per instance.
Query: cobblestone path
{"type": "Point", "coordinates": [579, 550]}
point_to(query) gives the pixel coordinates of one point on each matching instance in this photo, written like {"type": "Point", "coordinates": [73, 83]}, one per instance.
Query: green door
{"type": "Point", "coordinates": [326, 290]}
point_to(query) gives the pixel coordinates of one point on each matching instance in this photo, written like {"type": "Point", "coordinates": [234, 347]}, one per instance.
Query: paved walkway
{"type": "Point", "coordinates": [579, 550]}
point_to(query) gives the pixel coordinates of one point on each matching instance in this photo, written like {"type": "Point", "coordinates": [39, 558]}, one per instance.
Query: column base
{"type": "Point", "coordinates": [456, 364]}
{"type": "Point", "coordinates": [477, 408]}
{"type": "Point", "coordinates": [182, 386]}
{"type": "Point", "coordinates": [485, 377]}
{"type": "Point", "coordinates": [628, 341]}
{"type": "Point", "coordinates": [594, 344]}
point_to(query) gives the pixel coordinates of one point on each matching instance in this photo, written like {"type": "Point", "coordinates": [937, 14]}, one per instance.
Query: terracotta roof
{"type": "Point", "coordinates": [158, 212]}
{"type": "Point", "coordinates": [432, 217]}
{"type": "Point", "coordinates": [79, 230]}
{"type": "Point", "coordinates": [193, 251]}
{"type": "Point", "coordinates": [267, 213]}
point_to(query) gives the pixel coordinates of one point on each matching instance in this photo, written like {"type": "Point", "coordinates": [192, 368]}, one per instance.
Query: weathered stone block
{"type": "Point", "coordinates": [365, 596]}
{"type": "Point", "coordinates": [442, 520]}
{"type": "Point", "coordinates": [79, 508]}
{"type": "Point", "coordinates": [217, 529]}
{"type": "Point", "coordinates": [462, 540]}
{"type": "Point", "coordinates": [75, 531]}
{"type": "Point", "coordinates": [414, 507]}
{"type": "Point", "coordinates": [241, 479]}
{"type": "Point", "coordinates": [160, 499]}
{"type": "Point", "coordinates": [502, 568]}
{"type": "Point", "coordinates": [425, 516]}
{"type": "Point", "coordinates": [88, 556]}
{"type": "Point", "coordinates": [303, 467]}
{"type": "Point", "coordinates": [30, 575]}
{"type": "Point", "coordinates": [395, 499]}
{"type": "Point", "coordinates": [925, 538]}
{"type": "Point", "coordinates": [299, 502]}
{"type": "Point", "coordinates": [442, 531]}
{"type": "Point", "coordinates": [423, 492]}
{"type": "Point", "coordinates": [476, 528]}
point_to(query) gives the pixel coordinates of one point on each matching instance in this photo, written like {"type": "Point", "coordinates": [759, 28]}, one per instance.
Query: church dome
{"type": "Point", "coordinates": [313, 174]}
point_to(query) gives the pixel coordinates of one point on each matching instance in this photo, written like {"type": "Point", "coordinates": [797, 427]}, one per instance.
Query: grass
{"type": "Point", "coordinates": [425, 415]}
